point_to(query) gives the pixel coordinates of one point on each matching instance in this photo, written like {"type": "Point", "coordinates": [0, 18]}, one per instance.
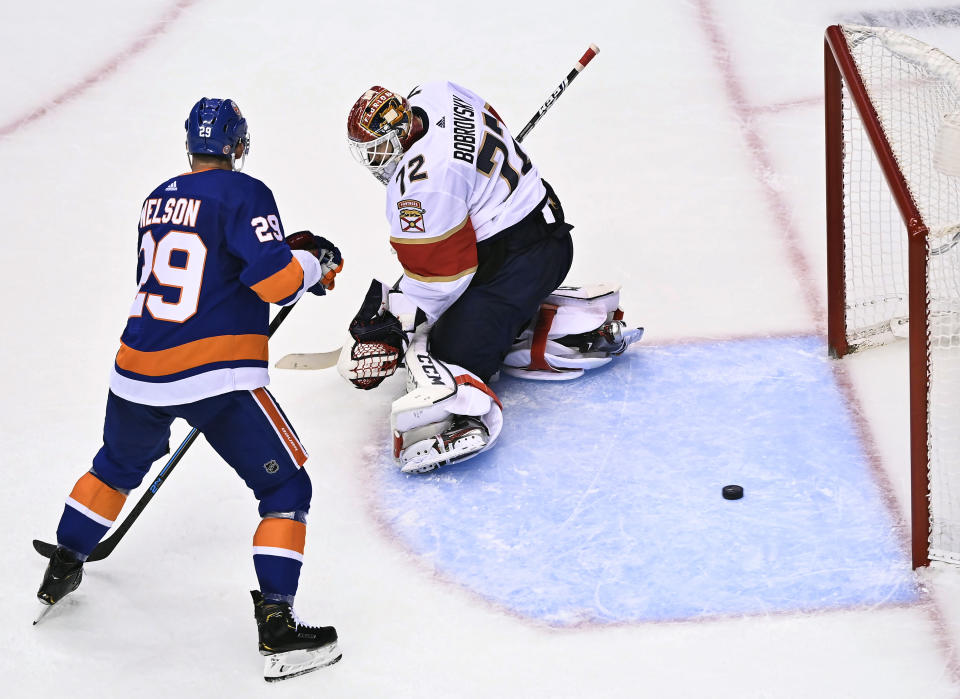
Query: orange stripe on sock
{"type": "Point", "coordinates": [282, 427]}
{"type": "Point", "coordinates": [282, 534]}
{"type": "Point", "coordinates": [98, 497]}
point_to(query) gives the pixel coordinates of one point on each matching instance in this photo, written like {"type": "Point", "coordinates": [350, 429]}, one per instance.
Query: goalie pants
{"type": "Point", "coordinates": [518, 268]}
{"type": "Point", "coordinates": [247, 429]}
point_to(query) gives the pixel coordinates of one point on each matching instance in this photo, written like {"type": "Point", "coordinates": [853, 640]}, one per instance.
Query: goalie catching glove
{"type": "Point", "coordinates": [376, 341]}
{"type": "Point", "coordinates": [331, 261]}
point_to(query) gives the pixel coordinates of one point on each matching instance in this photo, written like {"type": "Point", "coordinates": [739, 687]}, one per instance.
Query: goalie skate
{"type": "Point", "coordinates": [612, 338]}
{"type": "Point", "coordinates": [465, 437]}
{"type": "Point", "coordinates": [577, 328]}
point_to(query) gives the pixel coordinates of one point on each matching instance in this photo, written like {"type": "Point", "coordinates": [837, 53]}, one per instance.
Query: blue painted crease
{"type": "Point", "coordinates": [601, 502]}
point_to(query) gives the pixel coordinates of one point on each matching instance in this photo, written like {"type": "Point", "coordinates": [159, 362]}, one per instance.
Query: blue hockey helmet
{"type": "Point", "coordinates": [216, 127]}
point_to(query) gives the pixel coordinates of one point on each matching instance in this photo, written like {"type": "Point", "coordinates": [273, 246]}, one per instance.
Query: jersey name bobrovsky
{"type": "Point", "coordinates": [211, 253]}
{"type": "Point", "coordinates": [464, 181]}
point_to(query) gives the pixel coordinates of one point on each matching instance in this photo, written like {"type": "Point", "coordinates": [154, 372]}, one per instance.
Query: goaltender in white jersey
{"type": "Point", "coordinates": [483, 243]}
{"type": "Point", "coordinates": [460, 183]}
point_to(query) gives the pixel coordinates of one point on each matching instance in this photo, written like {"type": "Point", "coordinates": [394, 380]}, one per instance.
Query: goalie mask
{"type": "Point", "coordinates": [378, 128]}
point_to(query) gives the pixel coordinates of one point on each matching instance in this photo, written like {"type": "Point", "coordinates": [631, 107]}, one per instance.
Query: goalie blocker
{"type": "Point", "coordinates": [448, 414]}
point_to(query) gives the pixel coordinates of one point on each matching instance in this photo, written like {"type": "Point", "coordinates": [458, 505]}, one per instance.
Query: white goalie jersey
{"type": "Point", "coordinates": [465, 180]}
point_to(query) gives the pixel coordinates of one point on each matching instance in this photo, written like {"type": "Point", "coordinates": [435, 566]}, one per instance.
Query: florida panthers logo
{"type": "Point", "coordinates": [411, 216]}
{"type": "Point", "coordinates": [384, 111]}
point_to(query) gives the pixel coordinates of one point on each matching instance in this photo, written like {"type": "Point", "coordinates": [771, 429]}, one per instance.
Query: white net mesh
{"type": "Point", "coordinates": [912, 87]}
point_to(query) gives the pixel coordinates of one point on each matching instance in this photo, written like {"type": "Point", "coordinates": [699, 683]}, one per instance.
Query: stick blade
{"type": "Point", "coordinates": [309, 360]}
{"type": "Point", "coordinates": [43, 548]}
{"type": "Point", "coordinates": [99, 552]}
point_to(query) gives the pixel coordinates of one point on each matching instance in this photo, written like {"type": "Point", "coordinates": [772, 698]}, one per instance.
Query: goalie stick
{"type": "Point", "coordinates": [325, 360]}
{"type": "Point", "coordinates": [555, 95]}
{"type": "Point", "coordinates": [106, 547]}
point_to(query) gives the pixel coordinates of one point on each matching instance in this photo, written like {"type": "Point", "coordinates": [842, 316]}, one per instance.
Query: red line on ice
{"type": "Point", "coordinates": [786, 106]}
{"type": "Point", "coordinates": [138, 46]}
{"type": "Point", "coordinates": [775, 200]}
{"type": "Point", "coordinates": [746, 113]}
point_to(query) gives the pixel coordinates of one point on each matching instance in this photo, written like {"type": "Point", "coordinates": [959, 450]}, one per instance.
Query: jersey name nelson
{"type": "Point", "coordinates": [178, 211]}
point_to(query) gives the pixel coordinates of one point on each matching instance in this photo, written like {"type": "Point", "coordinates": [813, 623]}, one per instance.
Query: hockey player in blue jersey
{"type": "Point", "coordinates": [212, 258]}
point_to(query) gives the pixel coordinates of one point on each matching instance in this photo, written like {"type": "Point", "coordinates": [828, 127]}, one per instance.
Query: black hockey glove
{"type": "Point", "coordinates": [331, 261]}
{"type": "Point", "coordinates": [378, 342]}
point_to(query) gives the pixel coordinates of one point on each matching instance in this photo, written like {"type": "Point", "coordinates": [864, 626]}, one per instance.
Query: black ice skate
{"type": "Point", "coordinates": [62, 577]}
{"type": "Point", "coordinates": [466, 436]}
{"type": "Point", "coordinates": [291, 648]}
{"type": "Point", "coordinates": [611, 338]}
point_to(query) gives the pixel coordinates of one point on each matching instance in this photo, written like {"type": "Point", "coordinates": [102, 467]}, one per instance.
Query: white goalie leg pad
{"type": "Point", "coordinates": [453, 430]}
{"type": "Point", "coordinates": [577, 328]}
{"type": "Point", "coordinates": [447, 415]}
{"type": "Point", "coordinates": [429, 381]}
{"type": "Point", "coordinates": [583, 308]}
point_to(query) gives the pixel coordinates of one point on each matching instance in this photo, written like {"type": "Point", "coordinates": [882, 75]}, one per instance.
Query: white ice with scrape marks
{"type": "Point", "coordinates": [688, 155]}
{"type": "Point", "coordinates": [592, 503]}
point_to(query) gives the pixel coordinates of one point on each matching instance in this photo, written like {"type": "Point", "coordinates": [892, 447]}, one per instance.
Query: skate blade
{"type": "Point", "coordinates": [425, 456]}
{"type": "Point", "coordinates": [45, 609]}
{"type": "Point", "coordinates": [283, 666]}
{"type": "Point", "coordinates": [541, 374]}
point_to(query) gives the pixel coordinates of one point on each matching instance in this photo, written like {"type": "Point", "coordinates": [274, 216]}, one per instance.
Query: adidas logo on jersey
{"type": "Point", "coordinates": [172, 187]}
{"type": "Point", "coordinates": [443, 122]}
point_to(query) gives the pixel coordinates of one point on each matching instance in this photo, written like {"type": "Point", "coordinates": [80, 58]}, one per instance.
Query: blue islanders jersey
{"type": "Point", "coordinates": [211, 260]}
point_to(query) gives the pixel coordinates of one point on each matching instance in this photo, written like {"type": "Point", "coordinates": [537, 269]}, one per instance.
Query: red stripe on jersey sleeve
{"type": "Point", "coordinates": [440, 258]}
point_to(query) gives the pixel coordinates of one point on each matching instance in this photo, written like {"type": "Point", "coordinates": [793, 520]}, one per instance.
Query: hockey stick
{"type": "Point", "coordinates": [325, 360]}
{"type": "Point", "coordinates": [555, 95]}
{"type": "Point", "coordinates": [106, 547]}
{"type": "Point", "coordinates": [309, 360]}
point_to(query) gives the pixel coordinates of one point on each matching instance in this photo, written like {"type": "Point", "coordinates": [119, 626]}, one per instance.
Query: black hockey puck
{"type": "Point", "coordinates": [732, 492]}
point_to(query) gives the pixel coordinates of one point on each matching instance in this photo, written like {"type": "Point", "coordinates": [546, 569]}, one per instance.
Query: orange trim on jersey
{"type": "Point", "coordinates": [283, 428]}
{"type": "Point", "coordinates": [98, 497]}
{"type": "Point", "coordinates": [441, 258]}
{"type": "Point", "coordinates": [222, 348]}
{"type": "Point", "coordinates": [466, 379]}
{"type": "Point", "coordinates": [282, 284]}
{"type": "Point", "coordinates": [280, 533]}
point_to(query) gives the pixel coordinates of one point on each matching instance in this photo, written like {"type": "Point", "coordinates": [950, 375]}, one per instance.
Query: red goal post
{"type": "Point", "coordinates": [893, 263]}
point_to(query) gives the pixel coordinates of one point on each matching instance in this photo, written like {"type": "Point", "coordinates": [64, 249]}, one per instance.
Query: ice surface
{"type": "Point", "coordinates": [601, 503]}
{"type": "Point", "coordinates": [688, 156]}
